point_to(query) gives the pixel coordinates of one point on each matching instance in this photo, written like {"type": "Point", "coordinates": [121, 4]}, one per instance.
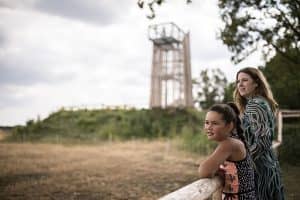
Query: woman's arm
{"type": "Point", "coordinates": [211, 164]}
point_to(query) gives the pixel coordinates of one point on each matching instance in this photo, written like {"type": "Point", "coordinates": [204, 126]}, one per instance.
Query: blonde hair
{"type": "Point", "coordinates": [263, 89]}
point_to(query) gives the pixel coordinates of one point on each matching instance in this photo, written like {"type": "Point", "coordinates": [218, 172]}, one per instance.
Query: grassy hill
{"type": "Point", "coordinates": [90, 126]}
{"type": "Point", "coordinates": [94, 126]}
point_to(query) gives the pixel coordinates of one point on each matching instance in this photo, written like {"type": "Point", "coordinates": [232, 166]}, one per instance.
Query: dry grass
{"type": "Point", "coordinates": [110, 171]}
{"type": "Point", "coordinates": [2, 135]}
{"type": "Point", "coordinates": [131, 170]}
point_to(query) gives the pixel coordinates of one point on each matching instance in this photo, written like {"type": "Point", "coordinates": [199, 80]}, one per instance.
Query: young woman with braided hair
{"type": "Point", "coordinates": [231, 158]}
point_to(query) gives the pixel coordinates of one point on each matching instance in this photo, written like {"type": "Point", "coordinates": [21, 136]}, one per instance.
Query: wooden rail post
{"type": "Point", "coordinates": [283, 114]}
{"type": "Point", "coordinates": [199, 190]}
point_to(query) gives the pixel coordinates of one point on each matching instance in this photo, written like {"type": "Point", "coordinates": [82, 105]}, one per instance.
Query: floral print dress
{"type": "Point", "coordinates": [239, 180]}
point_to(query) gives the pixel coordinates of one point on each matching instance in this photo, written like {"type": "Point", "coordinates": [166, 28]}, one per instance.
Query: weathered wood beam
{"type": "Point", "coordinates": [199, 190]}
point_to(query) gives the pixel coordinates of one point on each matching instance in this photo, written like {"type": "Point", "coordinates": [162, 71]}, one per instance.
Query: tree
{"type": "Point", "coordinates": [270, 24]}
{"type": "Point", "coordinates": [151, 4]}
{"type": "Point", "coordinates": [228, 92]}
{"type": "Point", "coordinates": [210, 87]}
{"type": "Point", "coordinates": [284, 78]}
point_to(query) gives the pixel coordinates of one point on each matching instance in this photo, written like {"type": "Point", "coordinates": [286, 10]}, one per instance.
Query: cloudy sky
{"type": "Point", "coordinates": [62, 53]}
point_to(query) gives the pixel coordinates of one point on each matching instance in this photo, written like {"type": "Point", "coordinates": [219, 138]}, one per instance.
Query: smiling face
{"type": "Point", "coordinates": [215, 127]}
{"type": "Point", "coordinates": [245, 84]}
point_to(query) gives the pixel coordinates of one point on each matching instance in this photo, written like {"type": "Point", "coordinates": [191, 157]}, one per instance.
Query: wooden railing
{"type": "Point", "coordinates": [283, 114]}
{"type": "Point", "coordinates": [211, 188]}
{"type": "Point", "coordinates": [199, 190]}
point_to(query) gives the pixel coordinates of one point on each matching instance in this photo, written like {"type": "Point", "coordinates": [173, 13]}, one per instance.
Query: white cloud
{"type": "Point", "coordinates": [56, 54]}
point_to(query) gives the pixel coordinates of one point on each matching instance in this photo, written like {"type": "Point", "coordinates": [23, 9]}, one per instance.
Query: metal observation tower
{"type": "Point", "coordinates": [171, 82]}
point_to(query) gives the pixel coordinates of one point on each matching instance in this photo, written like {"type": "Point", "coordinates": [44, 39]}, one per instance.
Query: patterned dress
{"type": "Point", "coordinates": [259, 124]}
{"type": "Point", "coordinates": [239, 180]}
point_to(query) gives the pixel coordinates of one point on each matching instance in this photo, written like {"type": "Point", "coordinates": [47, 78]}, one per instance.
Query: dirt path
{"type": "Point", "coordinates": [132, 170]}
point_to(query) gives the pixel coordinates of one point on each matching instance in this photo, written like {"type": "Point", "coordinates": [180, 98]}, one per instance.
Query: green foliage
{"type": "Point", "coordinates": [210, 87]}
{"type": "Point", "coordinates": [109, 124]}
{"type": "Point", "coordinates": [284, 78]}
{"type": "Point", "coordinates": [289, 151]}
{"type": "Point", "coordinates": [94, 126]}
{"type": "Point", "coordinates": [150, 4]}
{"type": "Point", "coordinates": [196, 142]}
{"type": "Point", "coordinates": [228, 92]}
{"type": "Point", "coordinates": [250, 24]}
{"type": "Point", "coordinates": [90, 126]}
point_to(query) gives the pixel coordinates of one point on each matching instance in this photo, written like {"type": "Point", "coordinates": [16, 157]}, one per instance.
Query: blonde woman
{"type": "Point", "coordinates": [258, 107]}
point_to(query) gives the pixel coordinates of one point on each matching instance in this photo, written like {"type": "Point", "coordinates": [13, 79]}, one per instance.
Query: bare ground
{"type": "Point", "coordinates": [131, 170]}
{"type": "Point", "coordinates": [110, 171]}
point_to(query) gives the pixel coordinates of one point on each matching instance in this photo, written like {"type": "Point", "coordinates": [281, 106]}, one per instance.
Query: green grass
{"type": "Point", "coordinates": [96, 126]}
